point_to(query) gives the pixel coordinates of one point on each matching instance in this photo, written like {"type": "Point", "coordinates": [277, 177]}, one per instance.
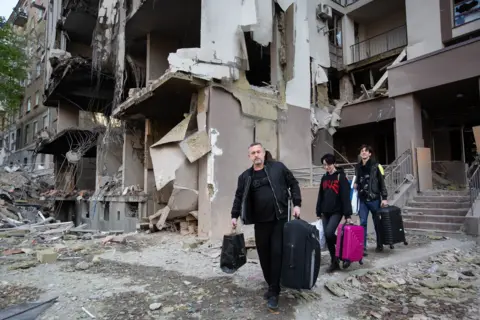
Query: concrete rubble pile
{"type": "Point", "coordinates": [174, 159]}
{"type": "Point", "coordinates": [26, 246]}
{"type": "Point", "coordinates": [445, 286]}
{"type": "Point", "coordinates": [20, 196]}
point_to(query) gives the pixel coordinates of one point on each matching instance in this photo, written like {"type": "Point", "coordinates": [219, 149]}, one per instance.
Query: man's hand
{"type": "Point", "coordinates": [234, 223]}
{"type": "Point", "coordinates": [384, 203]}
{"type": "Point", "coordinates": [348, 221]}
{"type": "Point", "coordinates": [296, 212]}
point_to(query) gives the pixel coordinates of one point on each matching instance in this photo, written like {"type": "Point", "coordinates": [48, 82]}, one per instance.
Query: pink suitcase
{"type": "Point", "coordinates": [349, 246]}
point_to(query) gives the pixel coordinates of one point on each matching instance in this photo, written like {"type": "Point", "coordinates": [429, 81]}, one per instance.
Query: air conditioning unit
{"type": "Point", "coordinates": [324, 12]}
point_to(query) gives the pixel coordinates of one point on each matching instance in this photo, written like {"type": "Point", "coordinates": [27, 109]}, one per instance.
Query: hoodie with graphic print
{"type": "Point", "coordinates": [334, 195]}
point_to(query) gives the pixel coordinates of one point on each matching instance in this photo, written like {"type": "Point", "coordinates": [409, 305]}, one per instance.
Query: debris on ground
{"type": "Point", "coordinates": [443, 287]}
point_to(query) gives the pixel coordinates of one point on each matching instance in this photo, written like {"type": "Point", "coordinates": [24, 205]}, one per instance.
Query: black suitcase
{"type": "Point", "coordinates": [391, 224]}
{"type": "Point", "coordinates": [301, 254]}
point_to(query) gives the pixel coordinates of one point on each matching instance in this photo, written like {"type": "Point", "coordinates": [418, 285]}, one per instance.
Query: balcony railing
{"type": "Point", "coordinates": [345, 3]}
{"type": "Point", "coordinates": [393, 39]}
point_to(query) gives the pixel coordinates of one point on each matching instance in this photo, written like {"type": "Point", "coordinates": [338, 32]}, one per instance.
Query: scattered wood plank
{"type": "Point", "coordinates": [384, 77]}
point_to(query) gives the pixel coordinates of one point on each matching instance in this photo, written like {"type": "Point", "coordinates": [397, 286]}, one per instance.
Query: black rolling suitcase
{"type": "Point", "coordinates": [301, 254]}
{"type": "Point", "coordinates": [392, 231]}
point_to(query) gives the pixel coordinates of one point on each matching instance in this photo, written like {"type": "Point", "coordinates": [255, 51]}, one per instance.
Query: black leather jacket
{"type": "Point", "coordinates": [377, 189]}
{"type": "Point", "coordinates": [281, 180]}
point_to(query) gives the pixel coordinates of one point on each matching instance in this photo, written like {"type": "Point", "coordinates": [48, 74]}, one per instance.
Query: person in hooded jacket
{"type": "Point", "coordinates": [333, 203]}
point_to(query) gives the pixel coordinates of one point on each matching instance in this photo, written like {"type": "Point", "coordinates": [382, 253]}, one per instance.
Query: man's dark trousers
{"type": "Point", "coordinates": [269, 242]}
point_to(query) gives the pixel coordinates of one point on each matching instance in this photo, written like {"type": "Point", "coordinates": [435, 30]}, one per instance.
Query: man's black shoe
{"type": "Point", "coordinates": [365, 253]}
{"type": "Point", "coordinates": [334, 266]}
{"type": "Point", "coordinates": [272, 303]}
{"type": "Point", "coordinates": [379, 249]}
{"type": "Point", "coordinates": [267, 295]}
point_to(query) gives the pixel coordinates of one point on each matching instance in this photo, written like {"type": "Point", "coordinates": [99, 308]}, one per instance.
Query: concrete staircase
{"type": "Point", "coordinates": [437, 211]}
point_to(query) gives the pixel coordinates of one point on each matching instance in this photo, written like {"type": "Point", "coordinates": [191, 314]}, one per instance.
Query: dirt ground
{"type": "Point", "coordinates": [166, 276]}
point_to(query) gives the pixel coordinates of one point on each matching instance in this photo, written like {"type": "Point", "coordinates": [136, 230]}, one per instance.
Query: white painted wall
{"type": "Point", "coordinates": [319, 47]}
{"type": "Point", "coordinates": [298, 89]}
{"type": "Point", "coordinates": [348, 30]}
{"type": "Point", "coordinates": [423, 27]}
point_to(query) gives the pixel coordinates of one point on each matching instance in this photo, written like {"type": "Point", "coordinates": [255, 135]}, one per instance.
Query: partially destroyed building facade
{"type": "Point", "coordinates": [22, 130]}
{"type": "Point", "coordinates": [156, 102]}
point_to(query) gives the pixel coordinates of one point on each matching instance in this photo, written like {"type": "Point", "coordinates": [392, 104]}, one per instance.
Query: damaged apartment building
{"type": "Point", "coordinates": [22, 130]}
{"type": "Point", "coordinates": [157, 101]}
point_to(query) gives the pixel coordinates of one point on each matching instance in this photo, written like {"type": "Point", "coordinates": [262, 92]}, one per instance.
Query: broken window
{"type": "Point", "coordinates": [335, 30]}
{"type": "Point", "coordinates": [466, 11]}
{"type": "Point", "coordinates": [259, 61]}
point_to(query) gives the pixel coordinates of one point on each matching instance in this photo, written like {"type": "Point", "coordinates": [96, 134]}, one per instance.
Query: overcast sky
{"type": "Point", "coordinates": [6, 7]}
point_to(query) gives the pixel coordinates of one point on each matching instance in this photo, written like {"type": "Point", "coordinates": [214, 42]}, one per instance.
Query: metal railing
{"type": "Point", "coordinates": [473, 175]}
{"type": "Point", "coordinates": [393, 39]}
{"type": "Point", "coordinates": [400, 172]}
{"type": "Point", "coordinates": [345, 3]}
{"type": "Point", "coordinates": [312, 176]}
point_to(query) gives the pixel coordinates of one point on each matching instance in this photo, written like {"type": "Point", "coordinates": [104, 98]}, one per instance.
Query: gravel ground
{"type": "Point", "coordinates": [166, 276]}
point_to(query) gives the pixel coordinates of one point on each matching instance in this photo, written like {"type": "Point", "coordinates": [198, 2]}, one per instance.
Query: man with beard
{"type": "Point", "coordinates": [262, 199]}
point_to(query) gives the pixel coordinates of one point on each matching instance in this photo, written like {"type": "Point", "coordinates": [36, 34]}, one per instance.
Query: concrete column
{"type": "Point", "coordinates": [67, 117]}
{"type": "Point", "coordinates": [408, 124]}
{"type": "Point", "coordinates": [348, 31]}
{"type": "Point", "coordinates": [132, 159]}
{"type": "Point", "coordinates": [225, 163]}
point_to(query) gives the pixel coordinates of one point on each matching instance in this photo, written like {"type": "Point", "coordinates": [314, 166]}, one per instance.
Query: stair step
{"type": "Point", "coordinates": [464, 193]}
{"type": "Point", "coordinates": [458, 199]}
{"type": "Point", "coordinates": [435, 211]}
{"type": "Point", "coordinates": [441, 205]}
{"type": "Point", "coordinates": [434, 218]}
{"type": "Point", "coordinates": [433, 232]}
{"type": "Point", "coordinates": [440, 226]}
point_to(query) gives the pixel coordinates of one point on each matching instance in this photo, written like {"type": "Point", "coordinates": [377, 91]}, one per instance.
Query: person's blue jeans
{"type": "Point", "coordinates": [363, 210]}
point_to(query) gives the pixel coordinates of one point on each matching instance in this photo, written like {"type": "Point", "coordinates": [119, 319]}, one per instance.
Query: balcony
{"type": "Point", "coordinates": [345, 3]}
{"type": "Point", "coordinates": [382, 43]}
{"type": "Point", "coordinates": [20, 17]}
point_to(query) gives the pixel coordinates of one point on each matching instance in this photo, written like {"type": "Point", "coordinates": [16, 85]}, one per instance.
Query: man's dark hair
{"type": "Point", "coordinates": [255, 144]}
{"type": "Point", "coordinates": [268, 156]}
{"type": "Point", "coordinates": [366, 147]}
{"type": "Point", "coordinates": [328, 158]}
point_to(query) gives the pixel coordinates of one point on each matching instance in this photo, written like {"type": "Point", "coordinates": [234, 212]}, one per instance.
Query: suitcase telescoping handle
{"type": "Point", "coordinates": [290, 206]}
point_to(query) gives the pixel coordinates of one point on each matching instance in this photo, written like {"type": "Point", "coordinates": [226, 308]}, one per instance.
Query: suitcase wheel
{"type": "Point", "coordinates": [405, 243]}
{"type": "Point", "coordinates": [361, 262]}
{"type": "Point", "coordinates": [392, 247]}
{"type": "Point", "coordinates": [346, 264]}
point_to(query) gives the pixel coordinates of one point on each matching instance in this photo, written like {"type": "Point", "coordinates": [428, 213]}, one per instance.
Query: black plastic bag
{"type": "Point", "coordinates": [234, 253]}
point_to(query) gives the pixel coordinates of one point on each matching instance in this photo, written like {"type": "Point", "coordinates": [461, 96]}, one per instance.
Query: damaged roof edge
{"type": "Point", "coordinates": [148, 91]}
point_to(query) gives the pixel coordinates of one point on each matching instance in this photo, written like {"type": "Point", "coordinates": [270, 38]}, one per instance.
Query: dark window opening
{"type": "Point", "coordinates": [106, 211]}
{"type": "Point", "coordinates": [259, 61]}
{"type": "Point", "coordinates": [333, 85]}
{"type": "Point", "coordinates": [132, 210]}
{"type": "Point", "coordinates": [456, 145]}
{"type": "Point", "coordinates": [118, 215]}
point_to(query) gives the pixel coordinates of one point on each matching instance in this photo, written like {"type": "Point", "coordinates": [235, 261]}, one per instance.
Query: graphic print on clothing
{"type": "Point", "coordinates": [262, 196]}
{"type": "Point", "coordinates": [333, 185]}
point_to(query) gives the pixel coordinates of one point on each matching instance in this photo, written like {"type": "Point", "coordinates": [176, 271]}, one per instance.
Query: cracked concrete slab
{"type": "Point", "coordinates": [196, 145]}
{"type": "Point", "coordinates": [182, 202]}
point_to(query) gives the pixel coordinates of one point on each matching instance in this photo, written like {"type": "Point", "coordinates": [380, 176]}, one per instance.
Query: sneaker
{"type": "Point", "coordinates": [267, 295]}
{"type": "Point", "coordinates": [272, 303]}
{"type": "Point", "coordinates": [334, 266]}
{"type": "Point", "coordinates": [379, 249]}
